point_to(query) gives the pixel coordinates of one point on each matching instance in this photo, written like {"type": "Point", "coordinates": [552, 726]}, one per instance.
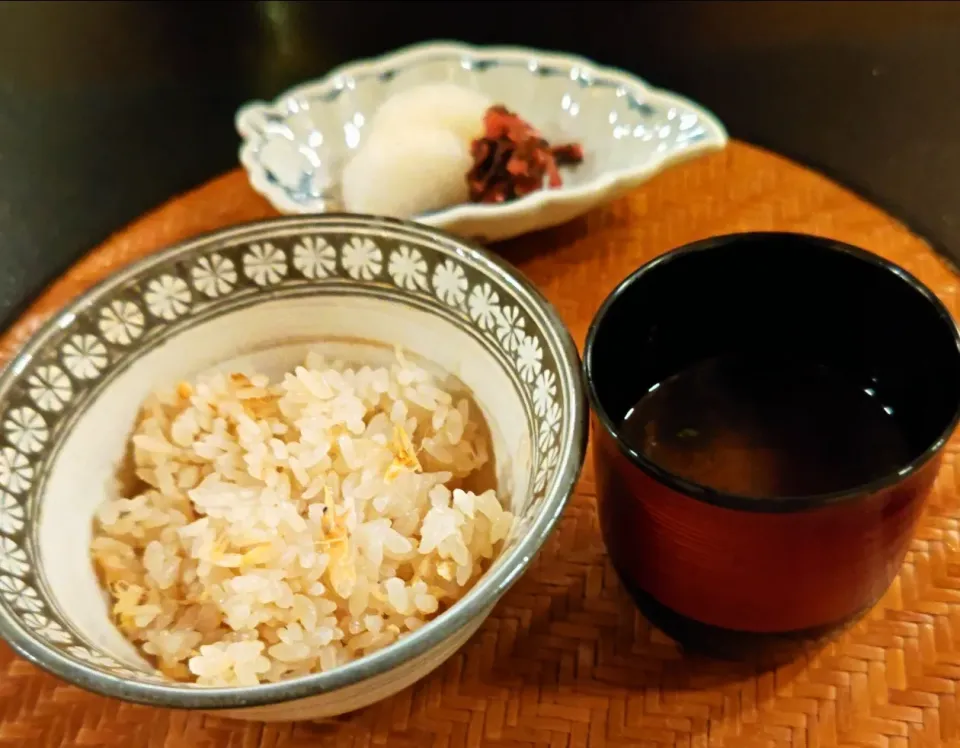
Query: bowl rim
{"type": "Point", "coordinates": [730, 500]}
{"type": "Point", "coordinates": [249, 115]}
{"type": "Point", "coordinates": [484, 593]}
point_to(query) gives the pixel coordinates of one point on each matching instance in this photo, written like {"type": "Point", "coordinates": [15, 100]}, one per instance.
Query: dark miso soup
{"type": "Point", "coordinates": [767, 427]}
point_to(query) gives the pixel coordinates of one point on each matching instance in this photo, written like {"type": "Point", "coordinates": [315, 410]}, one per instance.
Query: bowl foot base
{"type": "Point", "coordinates": [762, 649]}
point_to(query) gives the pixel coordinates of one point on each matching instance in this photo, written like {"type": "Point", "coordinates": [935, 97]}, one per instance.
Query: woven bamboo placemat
{"type": "Point", "coordinates": [564, 660]}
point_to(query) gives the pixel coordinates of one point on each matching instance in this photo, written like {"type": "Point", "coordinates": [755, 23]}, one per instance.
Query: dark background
{"type": "Point", "coordinates": [109, 108]}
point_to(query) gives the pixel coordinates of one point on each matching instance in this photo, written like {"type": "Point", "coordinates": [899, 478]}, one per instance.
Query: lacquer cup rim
{"type": "Point", "coordinates": [730, 500]}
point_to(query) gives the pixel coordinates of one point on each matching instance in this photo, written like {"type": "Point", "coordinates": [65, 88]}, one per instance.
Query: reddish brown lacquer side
{"type": "Point", "coordinates": [764, 572]}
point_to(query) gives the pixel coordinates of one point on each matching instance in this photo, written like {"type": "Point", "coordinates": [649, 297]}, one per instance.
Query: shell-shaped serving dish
{"type": "Point", "coordinates": [295, 147]}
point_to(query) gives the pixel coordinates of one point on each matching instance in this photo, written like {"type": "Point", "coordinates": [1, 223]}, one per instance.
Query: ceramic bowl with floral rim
{"type": "Point", "coordinates": [294, 148]}
{"type": "Point", "coordinates": [258, 296]}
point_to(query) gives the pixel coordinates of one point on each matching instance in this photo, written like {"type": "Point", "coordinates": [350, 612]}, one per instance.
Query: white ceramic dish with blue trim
{"type": "Point", "coordinates": [257, 296]}
{"type": "Point", "coordinates": [295, 147]}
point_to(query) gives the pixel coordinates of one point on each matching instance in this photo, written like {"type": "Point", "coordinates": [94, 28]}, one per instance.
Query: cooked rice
{"type": "Point", "coordinates": [285, 529]}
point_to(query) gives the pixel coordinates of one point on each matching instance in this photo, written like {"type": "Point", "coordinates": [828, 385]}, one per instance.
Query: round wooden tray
{"type": "Point", "coordinates": [565, 660]}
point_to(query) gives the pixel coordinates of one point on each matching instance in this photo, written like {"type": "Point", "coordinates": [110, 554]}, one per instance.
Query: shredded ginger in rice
{"type": "Point", "coordinates": [285, 529]}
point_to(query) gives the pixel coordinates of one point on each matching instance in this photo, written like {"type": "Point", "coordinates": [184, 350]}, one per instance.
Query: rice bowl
{"type": "Point", "coordinates": [260, 299]}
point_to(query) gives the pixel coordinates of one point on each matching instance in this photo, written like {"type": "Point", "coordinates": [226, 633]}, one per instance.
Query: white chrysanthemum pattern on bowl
{"type": "Point", "coordinates": [16, 472]}
{"type": "Point", "coordinates": [214, 275]}
{"type": "Point", "coordinates": [484, 306]}
{"type": "Point", "coordinates": [26, 430]}
{"type": "Point", "coordinates": [510, 328]}
{"type": "Point", "coordinates": [121, 322]}
{"type": "Point", "coordinates": [547, 465]}
{"type": "Point", "coordinates": [549, 425]}
{"type": "Point", "coordinates": [20, 595]}
{"type": "Point", "coordinates": [314, 258]}
{"type": "Point", "coordinates": [11, 514]}
{"type": "Point", "coordinates": [408, 268]}
{"type": "Point", "coordinates": [49, 388]}
{"type": "Point", "coordinates": [362, 259]}
{"type": "Point", "coordinates": [47, 628]}
{"type": "Point", "coordinates": [264, 264]}
{"type": "Point", "coordinates": [450, 283]}
{"type": "Point", "coordinates": [13, 559]}
{"type": "Point", "coordinates": [168, 297]}
{"type": "Point", "coordinates": [94, 658]}
{"type": "Point", "coordinates": [544, 390]}
{"type": "Point", "coordinates": [529, 358]}
{"type": "Point", "coordinates": [84, 356]}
